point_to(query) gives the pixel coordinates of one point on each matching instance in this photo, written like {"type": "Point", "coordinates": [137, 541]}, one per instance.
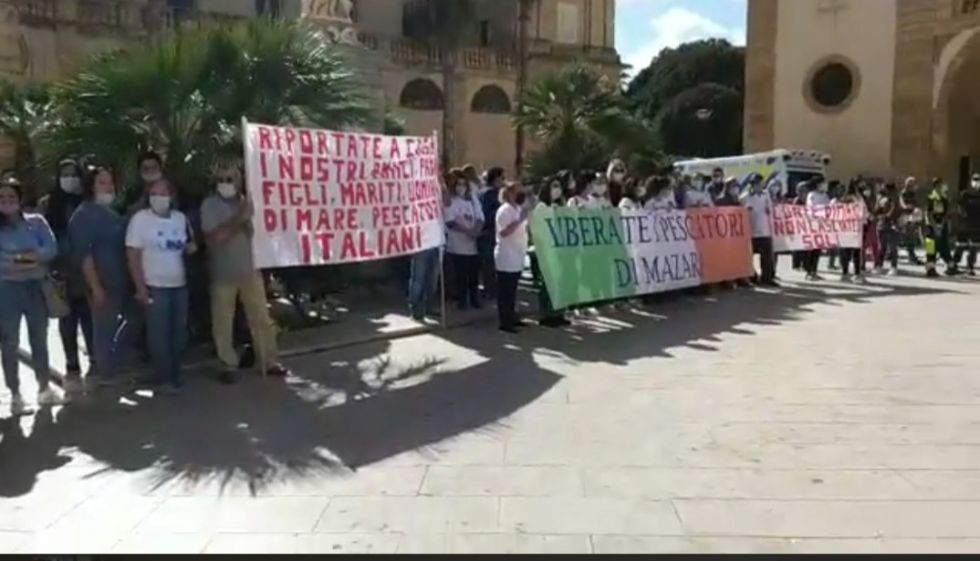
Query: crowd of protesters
{"type": "Point", "coordinates": [117, 273]}
{"type": "Point", "coordinates": [487, 227]}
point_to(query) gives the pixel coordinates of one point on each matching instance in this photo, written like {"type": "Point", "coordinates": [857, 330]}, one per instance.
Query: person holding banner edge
{"type": "Point", "coordinates": [226, 220]}
{"type": "Point", "coordinates": [512, 243]}
{"type": "Point", "coordinates": [550, 194]}
{"type": "Point", "coordinates": [819, 197]}
{"type": "Point", "coordinates": [759, 205]}
{"type": "Point", "coordinates": [851, 255]}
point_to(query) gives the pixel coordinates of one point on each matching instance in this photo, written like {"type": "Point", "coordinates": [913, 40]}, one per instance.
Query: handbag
{"type": "Point", "coordinates": [55, 299]}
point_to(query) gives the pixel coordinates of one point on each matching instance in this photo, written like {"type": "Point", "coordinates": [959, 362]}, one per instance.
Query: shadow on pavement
{"type": "Point", "coordinates": [355, 407]}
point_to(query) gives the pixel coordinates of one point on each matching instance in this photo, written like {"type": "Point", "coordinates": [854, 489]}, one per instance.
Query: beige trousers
{"type": "Point", "coordinates": [252, 294]}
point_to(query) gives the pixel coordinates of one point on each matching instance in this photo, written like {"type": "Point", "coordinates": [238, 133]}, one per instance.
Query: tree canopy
{"type": "Point", "coordinates": [581, 120]}
{"type": "Point", "coordinates": [701, 75]}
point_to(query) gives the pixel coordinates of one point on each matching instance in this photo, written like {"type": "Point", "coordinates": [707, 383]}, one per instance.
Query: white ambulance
{"type": "Point", "coordinates": [790, 167]}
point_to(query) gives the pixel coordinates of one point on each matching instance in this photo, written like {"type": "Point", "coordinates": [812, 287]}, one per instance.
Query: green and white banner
{"type": "Point", "coordinates": [596, 255]}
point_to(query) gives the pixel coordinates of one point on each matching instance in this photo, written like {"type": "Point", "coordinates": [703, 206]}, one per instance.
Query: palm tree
{"type": "Point", "coordinates": [524, 8]}
{"type": "Point", "coordinates": [186, 96]}
{"type": "Point", "coordinates": [26, 119]}
{"type": "Point", "coordinates": [581, 119]}
{"type": "Point", "coordinates": [444, 24]}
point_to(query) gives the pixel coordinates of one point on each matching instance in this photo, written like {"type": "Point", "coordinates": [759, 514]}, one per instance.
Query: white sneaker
{"type": "Point", "coordinates": [48, 398]}
{"type": "Point", "coordinates": [845, 277]}
{"type": "Point", "coordinates": [860, 279]}
{"type": "Point", "coordinates": [892, 272]}
{"type": "Point", "coordinates": [18, 407]}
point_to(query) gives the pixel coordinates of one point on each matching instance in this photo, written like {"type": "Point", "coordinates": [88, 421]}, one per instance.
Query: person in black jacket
{"type": "Point", "coordinates": [969, 234]}
{"type": "Point", "coordinates": [58, 208]}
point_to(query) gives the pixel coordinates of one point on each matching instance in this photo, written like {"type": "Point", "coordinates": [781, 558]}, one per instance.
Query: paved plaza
{"type": "Point", "coordinates": [821, 418]}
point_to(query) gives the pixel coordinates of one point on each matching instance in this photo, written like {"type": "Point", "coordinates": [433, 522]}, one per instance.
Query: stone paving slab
{"type": "Point", "coordinates": [821, 418]}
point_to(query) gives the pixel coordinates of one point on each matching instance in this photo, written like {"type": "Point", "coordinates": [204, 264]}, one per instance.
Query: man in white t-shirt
{"type": "Point", "coordinates": [759, 204]}
{"type": "Point", "coordinates": [157, 240]}
{"type": "Point", "coordinates": [511, 251]}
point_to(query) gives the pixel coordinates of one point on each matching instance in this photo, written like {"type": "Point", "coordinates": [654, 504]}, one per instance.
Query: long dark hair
{"type": "Point", "coordinates": [61, 203]}
{"type": "Point", "coordinates": [544, 191]}
{"type": "Point", "coordinates": [14, 184]}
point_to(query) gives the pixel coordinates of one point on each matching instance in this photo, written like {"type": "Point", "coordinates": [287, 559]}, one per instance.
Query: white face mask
{"type": "Point", "coordinates": [600, 189]}
{"type": "Point", "coordinates": [556, 192]}
{"type": "Point", "coordinates": [618, 176]}
{"type": "Point", "coordinates": [641, 192]}
{"type": "Point", "coordinates": [70, 185]}
{"type": "Point", "coordinates": [160, 204]}
{"type": "Point", "coordinates": [975, 184]}
{"type": "Point", "coordinates": [105, 199]}
{"type": "Point", "coordinates": [227, 190]}
{"type": "Point", "coordinates": [152, 176]}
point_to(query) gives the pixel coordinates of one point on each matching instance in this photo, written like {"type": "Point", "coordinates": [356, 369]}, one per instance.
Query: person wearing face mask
{"type": "Point", "coordinates": [630, 199]}
{"type": "Point", "coordinates": [598, 198]}
{"type": "Point", "coordinates": [616, 178]}
{"type": "Point", "coordinates": [660, 195]}
{"type": "Point", "coordinates": [58, 208]}
{"type": "Point", "coordinates": [818, 197]}
{"type": "Point", "coordinates": [938, 229]}
{"type": "Point", "coordinates": [97, 236]}
{"type": "Point", "coordinates": [158, 239]}
{"type": "Point", "coordinates": [512, 244]}
{"type": "Point", "coordinates": [729, 194]}
{"type": "Point", "coordinates": [226, 220]}
{"type": "Point", "coordinates": [27, 246]}
{"type": "Point", "coordinates": [489, 203]}
{"type": "Point", "coordinates": [550, 195]}
{"type": "Point", "coordinates": [969, 233]}
{"type": "Point", "coordinates": [695, 194]}
{"type": "Point", "coordinates": [759, 205]}
{"type": "Point", "coordinates": [464, 223]}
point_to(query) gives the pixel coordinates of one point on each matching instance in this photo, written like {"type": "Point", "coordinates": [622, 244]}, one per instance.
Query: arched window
{"type": "Point", "coordinates": [490, 99]}
{"type": "Point", "coordinates": [422, 94]}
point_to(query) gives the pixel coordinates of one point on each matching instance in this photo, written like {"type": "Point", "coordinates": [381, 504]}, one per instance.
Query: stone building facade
{"type": "Point", "coordinates": [888, 87]}
{"type": "Point", "coordinates": [42, 40]}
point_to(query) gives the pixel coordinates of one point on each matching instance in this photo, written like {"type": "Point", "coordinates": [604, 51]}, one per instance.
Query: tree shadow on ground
{"type": "Point", "coordinates": [343, 411]}
{"type": "Point", "coordinates": [358, 406]}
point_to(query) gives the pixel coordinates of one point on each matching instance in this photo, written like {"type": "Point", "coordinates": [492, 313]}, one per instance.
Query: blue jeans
{"type": "Point", "coordinates": [166, 329]}
{"type": "Point", "coordinates": [68, 326]}
{"type": "Point", "coordinates": [110, 323]}
{"type": "Point", "coordinates": [421, 285]}
{"type": "Point", "coordinates": [23, 299]}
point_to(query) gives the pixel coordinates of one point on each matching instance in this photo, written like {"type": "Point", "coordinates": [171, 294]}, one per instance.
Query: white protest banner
{"type": "Point", "coordinates": [329, 197]}
{"type": "Point", "coordinates": [798, 228]}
